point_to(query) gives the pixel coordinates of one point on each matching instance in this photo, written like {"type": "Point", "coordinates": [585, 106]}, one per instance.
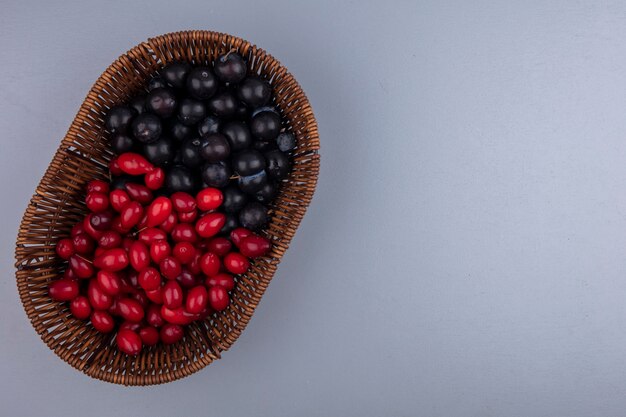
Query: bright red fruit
{"type": "Point", "coordinates": [209, 199]}
{"type": "Point", "coordinates": [134, 164]}
{"type": "Point", "coordinates": [118, 199]}
{"type": "Point", "coordinates": [139, 193]}
{"type": "Point", "coordinates": [129, 325]}
{"type": "Point", "coordinates": [158, 211]}
{"type": "Point", "coordinates": [156, 296]}
{"type": "Point", "coordinates": [80, 307]}
{"type": "Point", "coordinates": [77, 229]}
{"type": "Point", "coordinates": [236, 263]}
{"type": "Point", "coordinates": [155, 179]}
{"type": "Point", "coordinates": [223, 280]}
{"type": "Point", "coordinates": [112, 260]}
{"type": "Point", "coordinates": [210, 224]}
{"type": "Point", "coordinates": [210, 264]}
{"type": "Point", "coordinates": [172, 295]}
{"type": "Point", "coordinates": [183, 202]}
{"type": "Point", "coordinates": [97, 186]}
{"type": "Point", "coordinates": [149, 335]}
{"type": "Point", "coordinates": [131, 214]}
{"type": "Point", "coordinates": [197, 299]}
{"type": "Point", "coordinates": [83, 244]}
{"type": "Point", "coordinates": [254, 246]}
{"type": "Point", "coordinates": [170, 267]}
{"type": "Point", "coordinates": [177, 315]}
{"type": "Point", "coordinates": [159, 249]}
{"type": "Point", "coordinates": [238, 234]}
{"type": "Point", "coordinates": [152, 234]}
{"type": "Point", "coordinates": [102, 321]}
{"type": "Point", "coordinates": [109, 282]}
{"type": "Point", "coordinates": [130, 309]}
{"type": "Point", "coordinates": [169, 223]}
{"type": "Point", "coordinates": [186, 279]}
{"type": "Point", "coordinates": [97, 202]}
{"type": "Point", "coordinates": [184, 252]}
{"type": "Point", "coordinates": [89, 229]}
{"type": "Point", "coordinates": [149, 279]}
{"type": "Point", "coordinates": [218, 298]}
{"type": "Point", "coordinates": [153, 316]}
{"type": "Point", "coordinates": [128, 342]}
{"type": "Point", "coordinates": [81, 267]}
{"type": "Point", "coordinates": [65, 248]}
{"type": "Point", "coordinates": [98, 299]}
{"type": "Point", "coordinates": [219, 246]}
{"type": "Point", "coordinates": [114, 167]}
{"type": "Point", "coordinates": [139, 256]}
{"type": "Point", "coordinates": [63, 290]}
{"type": "Point", "coordinates": [184, 232]}
{"type": "Point", "coordinates": [188, 217]}
{"type": "Point", "coordinates": [110, 239]}
{"type": "Point", "coordinates": [171, 333]}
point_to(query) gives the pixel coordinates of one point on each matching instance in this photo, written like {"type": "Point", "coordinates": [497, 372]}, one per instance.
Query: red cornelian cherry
{"type": "Point", "coordinates": [197, 299]}
{"type": "Point", "coordinates": [176, 315]}
{"type": "Point", "coordinates": [102, 321]}
{"type": "Point", "coordinates": [80, 307]}
{"type": "Point", "coordinates": [65, 248]}
{"type": "Point", "coordinates": [134, 164]}
{"type": "Point", "coordinates": [89, 229]}
{"type": "Point", "coordinates": [209, 199]}
{"type": "Point", "coordinates": [77, 229]}
{"type": "Point", "coordinates": [236, 263]}
{"type": "Point", "coordinates": [130, 309]}
{"type": "Point", "coordinates": [149, 335]}
{"type": "Point", "coordinates": [158, 211]}
{"type": "Point", "coordinates": [188, 217]}
{"type": "Point", "coordinates": [194, 265]}
{"type": "Point", "coordinates": [156, 296]}
{"type": "Point", "coordinates": [171, 333]}
{"type": "Point", "coordinates": [155, 179]}
{"type": "Point", "coordinates": [254, 246]}
{"type": "Point", "coordinates": [183, 202]}
{"type": "Point", "coordinates": [63, 290]}
{"type": "Point", "coordinates": [128, 342]}
{"type": "Point", "coordinates": [218, 298]}
{"type": "Point", "coordinates": [170, 267]}
{"type": "Point", "coordinates": [238, 234]}
{"type": "Point", "coordinates": [112, 260]}
{"type": "Point", "coordinates": [114, 167]}
{"type": "Point", "coordinates": [116, 226]}
{"type": "Point", "coordinates": [129, 325]}
{"type": "Point", "coordinates": [169, 223]}
{"type": "Point", "coordinates": [219, 246]}
{"type": "Point", "coordinates": [81, 267]}
{"type": "Point", "coordinates": [83, 244]}
{"type": "Point", "coordinates": [210, 264]}
{"type": "Point", "coordinates": [110, 239]}
{"type": "Point", "coordinates": [223, 280]}
{"type": "Point", "coordinates": [153, 316]}
{"type": "Point", "coordinates": [99, 251]}
{"type": "Point", "coordinates": [184, 252]}
{"type": "Point", "coordinates": [159, 249]}
{"type": "Point", "coordinates": [139, 256]}
{"type": "Point", "coordinates": [172, 295]}
{"type": "Point", "coordinates": [149, 279]}
{"type": "Point", "coordinates": [210, 224]}
{"type": "Point", "coordinates": [184, 232]}
{"type": "Point", "coordinates": [70, 274]}
{"type": "Point", "coordinates": [139, 193]}
{"type": "Point", "coordinates": [118, 199]}
{"type": "Point", "coordinates": [152, 234]}
{"type": "Point", "coordinates": [131, 214]}
{"type": "Point", "coordinates": [97, 186]}
{"type": "Point", "coordinates": [109, 282]}
{"type": "Point", "coordinates": [97, 202]}
{"type": "Point", "coordinates": [143, 223]}
{"type": "Point", "coordinates": [140, 297]}
{"type": "Point", "coordinates": [186, 279]}
{"type": "Point", "coordinates": [98, 299]}
{"type": "Point", "coordinates": [127, 243]}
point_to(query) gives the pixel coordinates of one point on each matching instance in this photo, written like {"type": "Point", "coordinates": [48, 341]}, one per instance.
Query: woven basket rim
{"type": "Point", "coordinates": [29, 258]}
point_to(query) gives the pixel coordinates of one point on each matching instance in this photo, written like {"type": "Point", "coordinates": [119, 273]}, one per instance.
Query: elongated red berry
{"type": "Point", "coordinates": [134, 164]}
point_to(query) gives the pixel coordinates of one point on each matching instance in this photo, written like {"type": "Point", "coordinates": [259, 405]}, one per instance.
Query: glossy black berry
{"type": "Point", "coordinates": [191, 153]}
{"type": "Point", "coordinates": [264, 145]}
{"type": "Point", "coordinates": [176, 73]}
{"type": "Point", "coordinates": [118, 119]}
{"type": "Point", "coordinates": [201, 83]}
{"type": "Point", "coordinates": [252, 184]}
{"type": "Point", "coordinates": [138, 103]}
{"type": "Point", "coordinates": [234, 199]}
{"type": "Point", "coordinates": [179, 178]}
{"type": "Point", "coordinates": [162, 102]}
{"type": "Point", "coordinates": [230, 68]}
{"type": "Point", "coordinates": [242, 112]}
{"type": "Point", "coordinates": [248, 162]}
{"type": "Point", "coordinates": [209, 126]}
{"type": "Point", "coordinates": [156, 82]}
{"type": "Point", "coordinates": [180, 131]}
{"type": "Point", "coordinates": [277, 164]}
{"type": "Point", "coordinates": [232, 222]}
{"type": "Point", "coordinates": [286, 141]}
{"type": "Point", "coordinates": [254, 91]}
{"type": "Point", "coordinates": [238, 135]}
{"type": "Point", "coordinates": [160, 152]}
{"type": "Point", "coordinates": [265, 125]}
{"type": "Point", "coordinates": [215, 148]}
{"type": "Point", "coordinates": [146, 128]}
{"type": "Point", "coordinates": [191, 111]}
{"type": "Point", "coordinates": [253, 216]}
{"type": "Point", "coordinates": [267, 193]}
{"type": "Point", "coordinates": [223, 104]}
{"type": "Point", "coordinates": [122, 143]}
{"type": "Point", "coordinates": [216, 175]}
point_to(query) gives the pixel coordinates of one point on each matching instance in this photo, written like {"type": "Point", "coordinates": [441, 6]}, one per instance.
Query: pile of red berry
{"type": "Point", "coordinates": [163, 242]}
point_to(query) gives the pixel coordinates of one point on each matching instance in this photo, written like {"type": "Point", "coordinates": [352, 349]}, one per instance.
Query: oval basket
{"type": "Point", "coordinates": [83, 155]}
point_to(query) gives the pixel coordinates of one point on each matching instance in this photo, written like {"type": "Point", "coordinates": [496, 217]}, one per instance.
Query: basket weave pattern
{"type": "Point", "coordinates": [58, 204]}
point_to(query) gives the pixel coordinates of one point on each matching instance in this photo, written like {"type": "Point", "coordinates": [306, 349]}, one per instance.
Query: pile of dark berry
{"type": "Point", "coordinates": [199, 157]}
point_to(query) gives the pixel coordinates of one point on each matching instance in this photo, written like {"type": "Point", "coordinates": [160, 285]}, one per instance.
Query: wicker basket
{"type": "Point", "coordinates": [83, 155]}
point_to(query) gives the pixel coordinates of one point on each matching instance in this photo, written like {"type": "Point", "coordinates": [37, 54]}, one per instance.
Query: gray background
{"type": "Point", "coordinates": [465, 253]}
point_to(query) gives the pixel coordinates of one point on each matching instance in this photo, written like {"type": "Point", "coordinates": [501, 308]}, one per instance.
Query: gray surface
{"type": "Point", "coordinates": [465, 253]}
